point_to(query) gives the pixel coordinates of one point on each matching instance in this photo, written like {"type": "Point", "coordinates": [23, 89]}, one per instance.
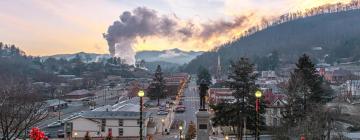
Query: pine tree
{"type": "Point", "coordinates": [242, 82]}
{"type": "Point", "coordinates": [306, 94]}
{"type": "Point", "coordinates": [157, 87]}
{"type": "Point", "coordinates": [203, 73]}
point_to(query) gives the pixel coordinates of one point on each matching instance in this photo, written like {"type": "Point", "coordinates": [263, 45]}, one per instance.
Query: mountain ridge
{"type": "Point", "coordinates": [329, 31]}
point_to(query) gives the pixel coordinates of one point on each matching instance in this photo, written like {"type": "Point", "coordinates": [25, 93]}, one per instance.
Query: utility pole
{"type": "Point", "coordinates": [60, 92]}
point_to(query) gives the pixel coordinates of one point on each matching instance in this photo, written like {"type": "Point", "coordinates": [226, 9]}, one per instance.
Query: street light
{"type": "Point", "coordinates": [141, 95]}
{"type": "Point", "coordinates": [226, 137]}
{"type": "Point", "coordinates": [180, 128]}
{"type": "Point", "coordinates": [162, 127]}
{"type": "Point", "coordinates": [75, 135]}
{"type": "Point", "coordinates": [258, 95]}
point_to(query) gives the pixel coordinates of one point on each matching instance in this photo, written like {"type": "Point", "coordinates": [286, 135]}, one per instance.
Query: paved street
{"type": "Point", "coordinates": [74, 107]}
{"type": "Point", "coordinates": [191, 102]}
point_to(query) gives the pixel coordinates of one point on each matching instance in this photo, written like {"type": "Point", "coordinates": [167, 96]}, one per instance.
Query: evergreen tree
{"type": "Point", "coordinates": [203, 73]}
{"type": "Point", "coordinates": [242, 82]}
{"type": "Point", "coordinates": [157, 87]}
{"type": "Point", "coordinates": [307, 93]}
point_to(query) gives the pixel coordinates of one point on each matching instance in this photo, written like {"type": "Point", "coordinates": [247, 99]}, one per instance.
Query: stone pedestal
{"type": "Point", "coordinates": [203, 127]}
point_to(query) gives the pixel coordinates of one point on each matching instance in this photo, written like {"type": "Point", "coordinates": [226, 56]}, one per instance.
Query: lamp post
{"type": "Point", "coordinates": [162, 127]}
{"type": "Point", "coordinates": [75, 135]}
{"type": "Point", "coordinates": [141, 95]}
{"type": "Point", "coordinates": [258, 95]}
{"type": "Point", "coordinates": [180, 128]}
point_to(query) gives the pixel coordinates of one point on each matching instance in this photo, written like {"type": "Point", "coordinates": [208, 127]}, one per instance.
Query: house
{"type": "Point", "coordinates": [270, 75]}
{"type": "Point", "coordinates": [121, 124]}
{"type": "Point", "coordinates": [338, 76]}
{"type": "Point", "coordinates": [219, 95]}
{"type": "Point", "coordinates": [275, 104]}
{"type": "Point", "coordinates": [352, 88]}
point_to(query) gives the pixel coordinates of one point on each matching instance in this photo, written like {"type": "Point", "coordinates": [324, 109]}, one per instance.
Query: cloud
{"type": "Point", "coordinates": [142, 23]}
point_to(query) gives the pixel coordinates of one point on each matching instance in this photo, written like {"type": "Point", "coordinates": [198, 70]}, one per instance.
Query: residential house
{"type": "Point", "coordinates": [275, 104]}
{"type": "Point", "coordinates": [79, 95]}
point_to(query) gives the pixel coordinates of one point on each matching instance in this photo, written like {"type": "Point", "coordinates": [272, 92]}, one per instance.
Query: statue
{"type": "Point", "coordinates": [203, 90]}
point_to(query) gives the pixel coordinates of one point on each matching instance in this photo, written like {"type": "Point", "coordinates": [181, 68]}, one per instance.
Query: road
{"type": "Point", "coordinates": [191, 102]}
{"type": "Point", "coordinates": [73, 107]}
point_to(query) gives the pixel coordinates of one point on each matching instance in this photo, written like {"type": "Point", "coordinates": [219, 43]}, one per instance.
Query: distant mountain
{"type": "Point", "coordinates": [85, 57]}
{"type": "Point", "coordinates": [165, 66]}
{"type": "Point", "coordinates": [328, 37]}
{"type": "Point", "coordinates": [176, 56]}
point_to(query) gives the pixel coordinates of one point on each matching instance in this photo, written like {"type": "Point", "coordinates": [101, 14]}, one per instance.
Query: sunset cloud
{"type": "Point", "coordinates": [66, 26]}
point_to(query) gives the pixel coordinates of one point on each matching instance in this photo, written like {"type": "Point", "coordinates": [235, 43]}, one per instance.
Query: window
{"type": "Point", "coordinates": [103, 123]}
{"type": "Point", "coordinates": [121, 131]}
{"type": "Point", "coordinates": [275, 122]}
{"type": "Point", "coordinates": [276, 111]}
{"type": "Point", "coordinates": [121, 122]}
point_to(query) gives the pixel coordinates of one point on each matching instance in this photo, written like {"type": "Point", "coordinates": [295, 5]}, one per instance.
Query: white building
{"type": "Point", "coordinates": [121, 119]}
{"type": "Point", "coordinates": [122, 124]}
{"type": "Point", "coordinates": [273, 112]}
{"type": "Point", "coordinates": [353, 88]}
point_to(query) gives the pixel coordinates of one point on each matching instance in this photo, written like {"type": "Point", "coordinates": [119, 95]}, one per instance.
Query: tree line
{"type": "Point", "coordinates": [305, 112]}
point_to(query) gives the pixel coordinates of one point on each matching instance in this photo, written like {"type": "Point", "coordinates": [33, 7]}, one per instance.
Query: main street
{"type": "Point", "coordinates": [74, 108]}
{"type": "Point", "coordinates": [191, 102]}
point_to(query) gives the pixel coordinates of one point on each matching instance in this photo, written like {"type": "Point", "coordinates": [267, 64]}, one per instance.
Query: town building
{"type": "Point", "coordinates": [275, 105]}
{"type": "Point", "coordinates": [56, 104]}
{"type": "Point", "coordinates": [220, 95]}
{"type": "Point", "coordinates": [338, 76]}
{"type": "Point", "coordinates": [352, 88]}
{"type": "Point", "coordinates": [121, 124]}
{"type": "Point", "coordinates": [121, 119]}
{"type": "Point", "coordinates": [79, 95]}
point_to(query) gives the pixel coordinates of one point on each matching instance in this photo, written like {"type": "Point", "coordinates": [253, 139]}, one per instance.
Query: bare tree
{"type": "Point", "coordinates": [20, 107]}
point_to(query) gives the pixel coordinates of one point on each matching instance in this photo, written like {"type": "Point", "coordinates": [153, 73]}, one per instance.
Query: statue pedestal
{"type": "Point", "coordinates": [202, 120]}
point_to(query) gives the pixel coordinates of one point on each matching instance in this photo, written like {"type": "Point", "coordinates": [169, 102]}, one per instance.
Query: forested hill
{"type": "Point", "coordinates": [335, 35]}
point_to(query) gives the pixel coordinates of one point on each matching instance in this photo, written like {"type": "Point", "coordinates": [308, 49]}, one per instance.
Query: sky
{"type": "Point", "coordinates": [47, 27]}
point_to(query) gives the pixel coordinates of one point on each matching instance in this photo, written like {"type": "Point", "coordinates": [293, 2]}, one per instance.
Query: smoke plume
{"type": "Point", "coordinates": [142, 22]}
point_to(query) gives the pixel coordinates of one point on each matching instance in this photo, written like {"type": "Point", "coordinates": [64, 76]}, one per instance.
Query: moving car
{"type": "Point", "coordinates": [162, 112]}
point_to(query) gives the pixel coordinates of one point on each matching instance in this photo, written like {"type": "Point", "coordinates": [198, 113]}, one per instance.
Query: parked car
{"type": "Point", "coordinates": [60, 134]}
{"type": "Point", "coordinates": [180, 109]}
